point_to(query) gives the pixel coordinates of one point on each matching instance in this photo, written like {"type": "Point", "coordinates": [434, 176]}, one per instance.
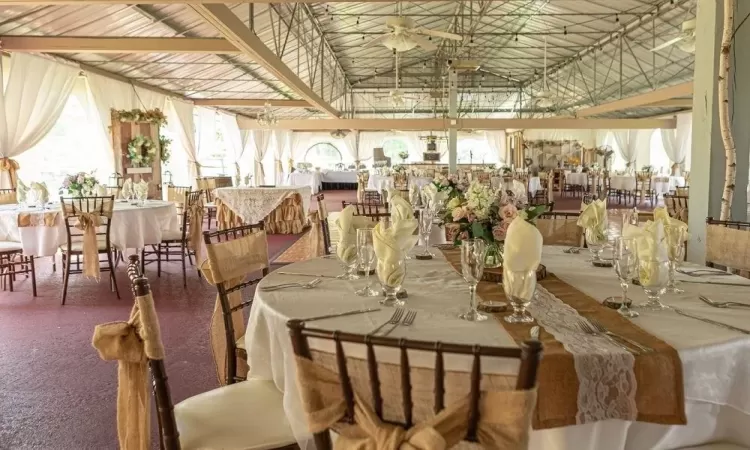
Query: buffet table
{"type": "Point", "coordinates": [311, 179]}
{"type": "Point", "coordinates": [283, 208]}
{"type": "Point", "coordinates": [662, 184]}
{"type": "Point", "coordinates": [381, 182]}
{"type": "Point", "coordinates": [714, 361]}
{"type": "Point", "coordinates": [41, 232]}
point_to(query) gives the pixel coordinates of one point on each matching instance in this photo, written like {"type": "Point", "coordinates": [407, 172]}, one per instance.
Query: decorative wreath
{"type": "Point", "coordinates": [141, 151]}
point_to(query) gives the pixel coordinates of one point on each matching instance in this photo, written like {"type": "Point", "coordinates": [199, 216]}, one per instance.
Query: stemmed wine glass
{"type": "Point", "coordinates": [347, 256]}
{"type": "Point", "coordinates": [472, 268]}
{"type": "Point", "coordinates": [653, 274]}
{"type": "Point", "coordinates": [675, 251]}
{"type": "Point", "coordinates": [391, 274]}
{"type": "Point", "coordinates": [595, 241]}
{"type": "Point", "coordinates": [366, 257]}
{"type": "Point", "coordinates": [519, 287]}
{"type": "Point", "coordinates": [426, 216]}
{"type": "Point", "coordinates": [625, 264]}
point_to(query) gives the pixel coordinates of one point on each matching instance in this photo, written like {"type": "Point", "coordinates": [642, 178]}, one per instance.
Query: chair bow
{"type": "Point", "coordinates": [132, 343]}
{"type": "Point", "coordinates": [11, 166]}
{"type": "Point", "coordinates": [195, 212]}
{"type": "Point", "coordinates": [87, 222]}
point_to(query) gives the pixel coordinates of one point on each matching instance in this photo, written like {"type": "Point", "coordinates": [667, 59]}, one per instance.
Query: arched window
{"type": "Point", "coordinates": [392, 148]}
{"type": "Point", "coordinates": [323, 154]}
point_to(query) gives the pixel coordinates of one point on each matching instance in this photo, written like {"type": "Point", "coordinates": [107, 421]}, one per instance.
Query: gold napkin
{"type": "Point", "coordinates": [347, 224]}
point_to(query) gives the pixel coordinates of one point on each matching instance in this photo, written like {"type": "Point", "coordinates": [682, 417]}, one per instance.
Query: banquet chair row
{"type": "Point", "coordinates": [207, 185]}
{"type": "Point", "coordinates": [12, 260]}
{"type": "Point", "coordinates": [367, 209]}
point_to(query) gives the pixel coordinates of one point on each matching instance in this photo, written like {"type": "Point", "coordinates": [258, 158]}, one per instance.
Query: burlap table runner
{"type": "Point", "coordinates": [660, 394]}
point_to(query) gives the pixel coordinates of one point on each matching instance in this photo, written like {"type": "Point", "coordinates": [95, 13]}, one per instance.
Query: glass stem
{"type": "Point", "coordinates": [671, 273]}
{"type": "Point", "coordinates": [473, 297]}
{"type": "Point", "coordinates": [367, 276]}
{"type": "Point", "coordinates": [624, 305]}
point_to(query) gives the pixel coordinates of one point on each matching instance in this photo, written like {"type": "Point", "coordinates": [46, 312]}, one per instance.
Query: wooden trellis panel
{"type": "Point", "coordinates": [122, 134]}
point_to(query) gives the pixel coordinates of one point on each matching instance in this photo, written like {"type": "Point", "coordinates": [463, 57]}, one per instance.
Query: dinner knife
{"type": "Point", "coordinates": [712, 322]}
{"type": "Point", "coordinates": [304, 274]}
{"type": "Point", "coordinates": [347, 313]}
{"type": "Point", "coordinates": [713, 282]}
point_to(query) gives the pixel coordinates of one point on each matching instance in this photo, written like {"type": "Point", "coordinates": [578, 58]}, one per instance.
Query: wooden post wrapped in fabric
{"type": "Point", "coordinates": [138, 149]}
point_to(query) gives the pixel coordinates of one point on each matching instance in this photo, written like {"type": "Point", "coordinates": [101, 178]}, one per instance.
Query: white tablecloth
{"type": "Point", "coordinates": [339, 176]}
{"type": "Point", "coordinates": [534, 185]}
{"type": "Point", "coordinates": [254, 204]}
{"type": "Point", "coordinates": [662, 184]}
{"type": "Point", "coordinates": [577, 179]}
{"type": "Point", "coordinates": [133, 227]}
{"type": "Point", "coordinates": [380, 182]}
{"type": "Point", "coordinates": [312, 179]}
{"type": "Point", "coordinates": [716, 361]}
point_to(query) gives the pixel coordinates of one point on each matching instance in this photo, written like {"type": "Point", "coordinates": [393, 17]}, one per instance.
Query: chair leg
{"type": "Point", "coordinates": [112, 274]}
{"type": "Point", "coordinates": [143, 260]}
{"type": "Point", "coordinates": [54, 263]}
{"type": "Point", "coordinates": [33, 275]}
{"type": "Point", "coordinates": [184, 270]}
{"type": "Point", "coordinates": [66, 276]}
{"type": "Point", "coordinates": [158, 260]}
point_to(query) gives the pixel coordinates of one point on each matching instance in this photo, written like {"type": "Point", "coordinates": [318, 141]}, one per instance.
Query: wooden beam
{"type": "Point", "coordinates": [232, 28]}
{"type": "Point", "coordinates": [251, 102]}
{"type": "Point", "coordinates": [177, 2]}
{"type": "Point", "coordinates": [65, 44]}
{"type": "Point", "coordinates": [649, 98]}
{"type": "Point", "coordinates": [673, 103]}
{"type": "Point", "coordinates": [465, 124]}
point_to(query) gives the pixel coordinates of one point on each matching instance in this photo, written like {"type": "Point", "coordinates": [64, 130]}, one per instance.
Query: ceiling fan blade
{"type": "Point", "coordinates": [436, 33]}
{"type": "Point", "coordinates": [377, 41]}
{"type": "Point", "coordinates": [668, 43]}
{"type": "Point", "coordinates": [423, 42]}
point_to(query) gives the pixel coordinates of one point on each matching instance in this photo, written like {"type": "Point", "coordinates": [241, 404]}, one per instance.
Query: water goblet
{"type": "Point", "coordinates": [347, 255]}
{"type": "Point", "coordinates": [625, 264]}
{"type": "Point", "coordinates": [391, 274]}
{"type": "Point", "coordinates": [519, 287]}
{"type": "Point", "coordinates": [366, 257]}
{"type": "Point", "coordinates": [653, 274]}
{"type": "Point", "coordinates": [472, 268]}
{"type": "Point", "coordinates": [426, 218]}
{"type": "Point", "coordinates": [595, 239]}
{"type": "Point", "coordinates": [675, 251]}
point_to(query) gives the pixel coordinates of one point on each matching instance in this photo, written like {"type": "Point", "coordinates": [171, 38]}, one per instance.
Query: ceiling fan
{"type": "Point", "coordinates": [404, 35]}
{"type": "Point", "coordinates": [397, 97]}
{"type": "Point", "coordinates": [545, 98]}
{"type": "Point", "coordinates": [685, 40]}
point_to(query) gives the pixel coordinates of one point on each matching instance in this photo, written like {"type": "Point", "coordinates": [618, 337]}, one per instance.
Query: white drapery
{"type": "Point", "coordinates": [180, 122]}
{"type": "Point", "coordinates": [30, 104]}
{"type": "Point", "coordinates": [295, 142]}
{"type": "Point", "coordinates": [236, 140]}
{"type": "Point", "coordinates": [206, 126]}
{"type": "Point", "coordinates": [496, 142]}
{"type": "Point", "coordinates": [261, 141]}
{"type": "Point", "coordinates": [351, 141]}
{"type": "Point", "coordinates": [367, 142]}
{"type": "Point", "coordinates": [627, 145]}
{"type": "Point", "coordinates": [282, 141]}
{"type": "Point", "coordinates": [416, 147]}
{"type": "Point", "coordinates": [677, 142]}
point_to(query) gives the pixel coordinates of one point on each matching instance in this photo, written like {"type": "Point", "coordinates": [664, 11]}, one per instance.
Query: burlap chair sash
{"type": "Point", "coordinates": [229, 263]}
{"type": "Point", "coordinates": [88, 223]}
{"type": "Point", "coordinates": [132, 344]}
{"type": "Point", "coordinates": [559, 231]}
{"type": "Point", "coordinates": [11, 166]}
{"type": "Point", "coordinates": [315, 236]}
{"type": "Point", "coordinates": [195, 212]}
{"type": "Point", "coordinates": [8, 198]}
{"type": "Point", "coordinates": [728, 247]}
{"type": "Point", "coordinates": [503, 425]}
{"type": "Point", "coordinates": [47, 219]}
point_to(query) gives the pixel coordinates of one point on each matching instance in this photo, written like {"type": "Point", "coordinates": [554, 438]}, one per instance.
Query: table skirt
{"type": "Point", "coordinates": [287, 218]}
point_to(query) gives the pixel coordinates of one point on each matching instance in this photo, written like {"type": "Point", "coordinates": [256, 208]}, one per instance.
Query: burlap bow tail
{"type": "Point", "coordinates": [195, 212]}
{"type": "Point", "coordinates": [11, 166]}
{"type": "Point", "coordinates": [505, 417]}
{"type": "Point", "coordinates": [87, 222]}
{"type": "Point", "coordinates": [132, 344]}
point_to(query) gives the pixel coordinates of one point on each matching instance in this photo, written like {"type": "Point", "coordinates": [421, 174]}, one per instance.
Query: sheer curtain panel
{"type": "Point", "coordinates": [236, 140]}
{"type": "Point", "coordinates": [30, 104]}
{"type": "Point", "coordinates": [280, 144]}
{"type": "Point", "coordinates": [351, 141]}
{"type": "Point", "coordinates": [677, 142]}
{"type": "Point", "coordinates": [496, 142]}
{"type": "Point", "coordinates": [181, 123]}
{"type": "Point", "coordinates": [627, 146]}
{"type": "Point", "coordinates": [261, 143]}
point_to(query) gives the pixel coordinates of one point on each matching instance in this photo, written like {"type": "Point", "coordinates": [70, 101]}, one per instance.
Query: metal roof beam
{"type": "Point", "coordinates": [229, 25]}
{"type": "Point", "coordinates": [65, 44]}
{"type": "Point", "coordinates": [251, 102]}
{"type": "Point", "coordinates": [647, 99]}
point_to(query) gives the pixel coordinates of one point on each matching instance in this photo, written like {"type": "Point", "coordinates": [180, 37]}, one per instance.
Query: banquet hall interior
{"type": "Point", "coordinates": [500, 224]}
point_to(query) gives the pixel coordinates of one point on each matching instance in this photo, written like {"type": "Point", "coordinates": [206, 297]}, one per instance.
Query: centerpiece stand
{"type": "Point", "coordinates": [139, 130]}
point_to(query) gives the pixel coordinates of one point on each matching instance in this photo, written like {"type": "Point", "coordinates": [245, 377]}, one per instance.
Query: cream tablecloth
{"type": "Point", "coordinates": [716, 361]}
{"type": "Point", "coordinates": [312, 179]}
{"type": "Point", "coordinates": [133, 227]}
{"type": "Point", "coordinates": [380, 182]}
{"type": "Point", "coordinates": [662, 184]}
{"type": "Point", "coordinates": [339, 176]}
{"type": "Point", "coordinates": [253, 204]}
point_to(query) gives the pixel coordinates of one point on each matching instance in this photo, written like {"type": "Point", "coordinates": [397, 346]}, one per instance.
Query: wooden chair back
{"type": "Point", "coordinates": [176, 194]}
{"type": "Point", "coordinates": [683, 191]}
{"type": "Point", "coordinates": [227, 311]}
{"type": "Point", "coordinates": [73, 207]}
{"type": "Point", "coordinates": [8, 197]}
{"type": "Point", "coordinates": [560, 228]}
{"type": "Point", "coordinates": [529, 355]}
{"type": "Point", "coordinates": [325, 227]}
{"type": "Point", "coordinates": [366, 209]}
{"type": "Point", "coordinates": [677, 206]}
{"type": "Point", "coordinates": [190, 199]}
{"type": "Point", "coordinates": [728, 245]}
{"type": "Point", "coordinates": [372, 197]}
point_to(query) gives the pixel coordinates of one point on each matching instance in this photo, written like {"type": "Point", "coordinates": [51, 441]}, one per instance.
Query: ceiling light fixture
{"type": "Point", "coordinates": [267, 118]}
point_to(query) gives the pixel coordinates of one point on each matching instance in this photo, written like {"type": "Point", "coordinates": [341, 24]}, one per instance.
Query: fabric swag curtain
{"type": "Point", "coordinates": [281, 142]}
{"type": "Point", "coordinates": [261, 143]}
{"type": "Point", "coordinates": [627, 141]}
{"type": "Point", "coordinates": [237, 140]}
{"type": "Point", "coordinates": [180, 122]}
{"type": "Point", "coordinates": [677, 142]}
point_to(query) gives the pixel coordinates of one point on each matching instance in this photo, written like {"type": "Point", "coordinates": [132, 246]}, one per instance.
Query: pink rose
{"type": "Point", "coordinates": [459, 213]}
{"type": "Point", "coordinates": [499, 231]}
{"type": "Point", "coordinates": [464, 235]}
{"type": "Point", "coordinates": [509, 212]}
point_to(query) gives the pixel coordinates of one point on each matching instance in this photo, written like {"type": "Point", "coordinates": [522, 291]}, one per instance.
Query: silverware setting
{"type": "Point", "coordinates": [395, 319]}
{"type": "Point", "coordinates": [718, 283]}
{"type": "Point", "coordinates": [346, 313]}
{"type": "Point", "coordinates": [276, 287]}
{"type": "Point", "coordinates": [722, 304]}
{"type": "Point", "coordinates": [703, 272]}
{"type": "Point", "coordinates": [591, 326]}
{"type": "Point", "coordinates": [408, 320]}
{"type": "Point", "coordinates": [712, 322]}
{"type": "Point", "coordinates": [304, 274]}
{"type": "Point", "coordinates": [574, 250]}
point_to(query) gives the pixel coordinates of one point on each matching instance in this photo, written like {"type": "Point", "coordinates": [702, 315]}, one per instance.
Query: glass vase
{"type": "Point", "coordinates": [493, 257]}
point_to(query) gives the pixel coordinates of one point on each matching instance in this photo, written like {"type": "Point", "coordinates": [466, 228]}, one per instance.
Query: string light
{"type": "Point", "coordinates": [617, 18]}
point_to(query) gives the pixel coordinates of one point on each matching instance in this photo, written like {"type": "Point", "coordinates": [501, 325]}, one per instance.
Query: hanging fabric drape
{"type": "Point", "coordinates": [677, 142]}
{"type": "Point", "coordinates": [415, 146]}
{"type": "Point", "coordinates": [147, 99]}
{"type": "Point", "coordinates": [496, 142]}
{"type": "Point", "coordinates": [627, 147]}
{"type": "Point", "coordinates": [30, 105]}
{"type": "Point", "coordinates": [280, 144]}
{"type": "Point", "coordinates": [351, 141]}
{"type": "Point", "coordinates": [180, 122]}
{"type": "Point", "coordinates": [261, 143]}
{"type": "Point", "coordinates": [295, 139]}
{"type": "Point", "coordinates": [236, 140]}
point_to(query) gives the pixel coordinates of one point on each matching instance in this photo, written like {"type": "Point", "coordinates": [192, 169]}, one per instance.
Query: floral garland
{"type": "Point", "coordinates": [141, 151]}
{"type": "Point", "coordinates": [164, 143]}
{"type": "Point", "coordinates": [136, 115]}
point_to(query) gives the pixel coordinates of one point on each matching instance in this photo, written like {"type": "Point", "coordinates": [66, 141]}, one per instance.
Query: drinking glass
{"type": "Point", "coordinates": [626, 264]}
{"type": "Point", "coordinates": [519, 287]}
{"type": "Point", "coordinates": [348, 259]}
{"type": "Point", "coordinates": [595, 241]}
{"type": "Point", "coordinates": [472, 267]}
{"type": "Point", "coordinates": [653, 274]}
{"type": "Point", "coordinates": [366, 257]}
{"type": "Point", "coordinates": [426, 217]}
{"type": "Point", "coordinates": [675, 251]}
{"type": "Point", "coordinates": [391, 275]}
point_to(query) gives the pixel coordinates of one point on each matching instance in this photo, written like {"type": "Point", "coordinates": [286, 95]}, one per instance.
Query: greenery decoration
{"type": "Point", "coordinates": [155, 116]}
{"type": "Point", "coordinates": [164, 143]}
{"type": "Point", "coordinates": [141, 151]}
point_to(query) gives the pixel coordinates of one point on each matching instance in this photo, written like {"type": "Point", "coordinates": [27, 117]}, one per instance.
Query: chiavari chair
{"type": "Point", "coordinates": [728, 246]}
{"type": "Point", "coordinates": [13, 262]}
{"type": "Point", "coordinates": [366, 209]}
{"type": "Point", "coordinates": [8, 197]}
{"type": "Point", "coordinates": [644, 187]}
{"type": "Point", "coordinates": [325, 226]}
{"type": "Point", "coordinates": [677, 206]}
{"type": "Point", "coordinates": [176, 194]}
{"type": "Point", "coordinates": [560, 228]}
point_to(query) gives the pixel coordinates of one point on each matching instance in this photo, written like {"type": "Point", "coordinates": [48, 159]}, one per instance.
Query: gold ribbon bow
{"type": "Point", "coordinates": [195, 213]}
{"type": "Point", "coordinates": [10, 166]}
{"type": "Point", "coordinates": [132, 343]}
{"type": "Point", "coordinates": [88, 222]}
{"type": "Point", "coordinates": [504, 422]}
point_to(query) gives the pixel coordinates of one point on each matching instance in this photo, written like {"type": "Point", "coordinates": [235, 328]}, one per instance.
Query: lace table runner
{"type": "Point", "coordinates": [253, 204]}
{"type": "Point", "coordinates": [584, 378]}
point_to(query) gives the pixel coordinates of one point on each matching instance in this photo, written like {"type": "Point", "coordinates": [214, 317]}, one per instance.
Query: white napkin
{"type": "Point", "coordinates": [522, 252]}
{"type": "Point", "coordinates": [21, 192]}
{"type": "Point", "coordinates": [413, 193]}
{"type": "Point", "coordinates": [101, 191]}
{"type": "Point", "coordinates": [676, 231]}
{"type": "Point", "coordinates": [38, 192]}
{"type": "Point", "coordinates": [390, 245]}
{"type": "Point", "coordinates": [594, 216]}
{"type": "Point", "coordinates": [652, 246]}
{"type": "Point", "coordinates": [141, 189]}
{"type": "Point", "coordinates": [401, 209]}
{"type": "Point", "coordinates": [347, 224]}
{"type": "Point", "coordinates": [392, 192]}
{"type": "Point", "coordinates": [127, 188]}
{"type": "Point", "coordinates": [433, 196]}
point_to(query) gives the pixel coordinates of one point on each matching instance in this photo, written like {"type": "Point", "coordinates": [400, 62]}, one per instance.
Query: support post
{"type": "Point", "coordinates": [452, 120]}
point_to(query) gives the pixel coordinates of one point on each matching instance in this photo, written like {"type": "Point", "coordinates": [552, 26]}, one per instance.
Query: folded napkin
{"type": "Point", "coordinates": [127, 188]}
{"type": "Point", "coordinates": [101, 191]}
{"type": "Point", "coordinates": [676, 231]}
{"type": "Point", "coordinates": [413, 194]}
{"type": "Point", "coordinates": [652, 246]}
{"type": "Point", "coordinates": [594, 217]}
{"type": "Point", "coordinates": [392, 192]}
{"type": "Point", "coordinates": [401, 210]}
{"type": "Point", "coordinates": [433, 196]}
{"type": "Point", "coordinates": [141, 189]}
{"type": "Point", "coordinates": [21, 192]}
{"type": "Point", "coordinates": [38, 192]}
{"type": "Point", "coordinates": [522, 253]}
{"type": "Point", "coordinates": [390, 245]}
{"type": "Point", "coordinates": [347, 224]}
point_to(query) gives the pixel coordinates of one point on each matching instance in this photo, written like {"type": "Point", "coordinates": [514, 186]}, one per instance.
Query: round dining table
{"type": "Point", "coordinates": [41, 231]}
{"type": "Point", "coordinates": [381, 182]}
{"type": "Point", "coordinates": [715, 361]}
{"type": "Point", "coordinates": [662, 184]}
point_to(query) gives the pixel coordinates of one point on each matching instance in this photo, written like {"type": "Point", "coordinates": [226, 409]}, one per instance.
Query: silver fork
{"type": "Point", "coordinates": [308, 285]}
{"type": "Point", "coordinates": [587, 328]}
{"type": "Point", "coordinates": [600, 328]}
{"type": "Point", "coordinates": [394, 320]}
{"type": "Point", "coordinates": [702, 272]}
{"type": "Point", "coordinates": [722, 304]}
{"type": "Point", "coordinates": [408, 320]}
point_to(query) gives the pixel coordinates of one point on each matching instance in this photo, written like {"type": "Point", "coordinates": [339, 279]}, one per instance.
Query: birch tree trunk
{"type": "Point", "coordinates": [724, 122]}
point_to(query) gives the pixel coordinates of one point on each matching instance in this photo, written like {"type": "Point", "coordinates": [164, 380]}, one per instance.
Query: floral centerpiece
{"type": "Point", "coordinates": [481, 213]}
{"type": "Point", "coordinates": [141, 151]}
{"type": "Point", "coordinates": [403, 154]}
{"type": "Point", "coordinates": [399, 169]}
{"type": "Point", "coordinates": [506, 170]}
{"type": "Point", "coordinates": [79, 184]}
{"type": "Point", "coordinates": [450, 184]}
